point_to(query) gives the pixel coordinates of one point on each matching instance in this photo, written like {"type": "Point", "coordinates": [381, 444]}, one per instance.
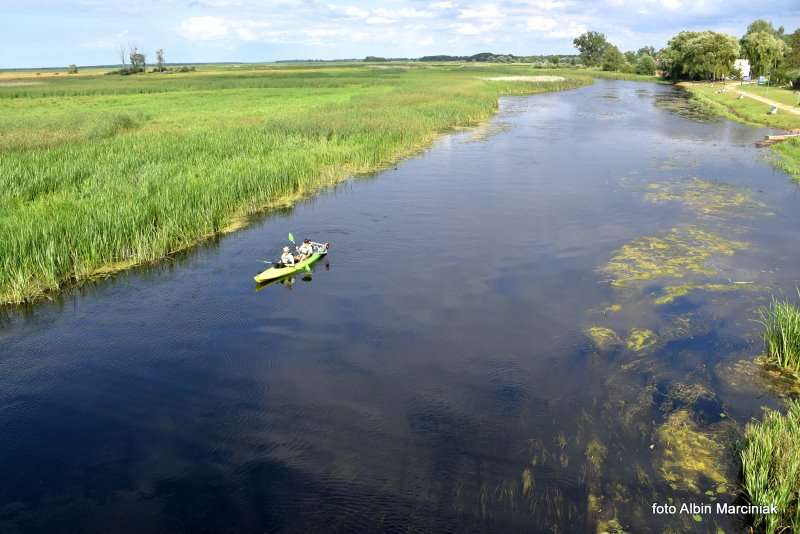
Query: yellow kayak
{"type": "Point", "coordinates": [274, 273]}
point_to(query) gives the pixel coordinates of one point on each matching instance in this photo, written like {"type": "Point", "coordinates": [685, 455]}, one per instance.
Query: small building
{"type": "Point", "coordinates": [743, 66]}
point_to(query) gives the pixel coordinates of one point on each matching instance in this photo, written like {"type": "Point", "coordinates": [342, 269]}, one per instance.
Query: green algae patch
{"type": "Point", "coordinates": [603, 338]}
{"type": "Point", "coordinates": [596, 454]}
{"type": "Point", "coordinates": [707, 198]}
{"type": "Point", "coordinates": [670, 293]}
{"type": "Point", "coordinates": [612, 526]}
{"type": "Point", "coordinates": [640, 339]}
{"type": "Point", "coordinates": [682, 252]}
{"type": "Point", "coordinates": [613, 308]}
{"type": "Point", "coordinates": [689, 457]}
{"type": "Point", "coordinates": [528, 482]}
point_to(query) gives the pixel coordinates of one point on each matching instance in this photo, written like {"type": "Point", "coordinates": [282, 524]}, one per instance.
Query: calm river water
{"type": "Point", "coordinates": [542, 325]}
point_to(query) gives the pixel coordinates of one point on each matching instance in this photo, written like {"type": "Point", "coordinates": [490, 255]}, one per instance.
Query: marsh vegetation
{"type": "Point", "coordinates": [99, 172]}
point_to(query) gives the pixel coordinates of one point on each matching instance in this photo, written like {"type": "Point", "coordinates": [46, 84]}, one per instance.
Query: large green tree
{"type": "Point", "coordinates": [613, 59]}
{"type": "Point", "coordinates": [646, 51]}
{"type": "Point", "coordinates": [761, 25]}
{"type": "Point", "coordinates": [764, 50]}
{"type": "Point", "coordinates": [700, 55]}
{"type": "Point", "coordinates": [646, 65]}
{"type": "Point", "coordinates": [792, 56]}
{"type": "Point", "coordinates": [592, 46]}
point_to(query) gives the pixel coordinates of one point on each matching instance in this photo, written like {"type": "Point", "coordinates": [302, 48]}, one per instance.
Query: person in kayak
{"type": "Point", "coordinates": [305, 250]}
{"type": "Point", "coordinates": [286, 257]}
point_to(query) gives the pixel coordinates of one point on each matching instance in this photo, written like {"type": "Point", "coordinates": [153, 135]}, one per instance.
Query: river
{"type": "Point", "coordinates": [545, 324]}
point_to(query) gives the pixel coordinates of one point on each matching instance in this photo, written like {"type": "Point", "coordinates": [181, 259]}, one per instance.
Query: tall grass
{"type": "Point", "coordinates": [781, 321]}
{"type": "Point", "coordinates": [788, 157]}
{"type": "Point", "coordinates": [771, 469]}
{"type": "Point", "coordinates": [89, 184]}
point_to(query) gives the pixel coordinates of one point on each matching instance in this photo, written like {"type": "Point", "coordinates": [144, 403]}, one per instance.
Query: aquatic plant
{"type": "Point", "coordinates": [640, 339]}
{"type": "Point", "coordinates": [603, 338]}
{"type": "Point", "coordinates": [771, 469]}
{"type": "Point", "coordinates": [707, 198]}
{"type": "Point", "coordinates": [689, 457]}
{"type": "Point", "coordinates": [669, 293]}
{"type": "Point", "coordinates": [781, 321]}
{"type": "Point", "coordinates": [682, 252]}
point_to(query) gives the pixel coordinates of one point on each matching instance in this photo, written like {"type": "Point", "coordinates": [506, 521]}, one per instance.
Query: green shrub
{"type": "Point", "coordinates": [781, 321]}
{"type": "Point", "coordinates": [646, 65]}
{"type": "Point", "coordinates": [771, 469]}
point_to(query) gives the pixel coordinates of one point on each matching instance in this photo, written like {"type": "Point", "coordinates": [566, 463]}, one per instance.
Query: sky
{"type": "Point", "coordinates": [42, 33]}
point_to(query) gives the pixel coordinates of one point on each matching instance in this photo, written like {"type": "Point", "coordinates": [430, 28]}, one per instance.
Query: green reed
{"type": "Point", "coordinates": [771, 469]}
{"type": "Point", "coordinates": [96, 180]}
{"type": "Point", "coordinates": [781, 321]}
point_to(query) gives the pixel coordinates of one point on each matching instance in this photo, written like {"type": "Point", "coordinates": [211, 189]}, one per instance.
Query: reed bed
{"type": "Point", "coordinates": [90, 183]}
{"type": "Point", "coordinates": [771, 469]}
{"type": "Point", "coordinates": [781, 321]}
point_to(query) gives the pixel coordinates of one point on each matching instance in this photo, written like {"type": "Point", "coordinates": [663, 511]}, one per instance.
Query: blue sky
{"type": "Point", "coordinates": [36, 33]}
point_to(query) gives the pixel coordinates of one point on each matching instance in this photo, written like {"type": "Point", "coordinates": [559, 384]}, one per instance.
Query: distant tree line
{"type": "Point", "coordinates": [490, 57]}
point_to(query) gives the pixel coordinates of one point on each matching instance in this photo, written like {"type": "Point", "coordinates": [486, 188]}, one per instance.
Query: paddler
{"type": "Point", "coordinates": [305, 250]}
{"type": "Point", "coordinates": [286, 257]}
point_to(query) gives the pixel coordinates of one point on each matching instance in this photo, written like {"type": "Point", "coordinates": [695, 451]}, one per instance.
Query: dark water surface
{"type": "Point", "coordinates": [438, 376]}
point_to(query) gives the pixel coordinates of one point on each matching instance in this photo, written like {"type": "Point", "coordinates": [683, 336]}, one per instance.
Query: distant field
{"type": "Point", "coordinates": [102, 172]}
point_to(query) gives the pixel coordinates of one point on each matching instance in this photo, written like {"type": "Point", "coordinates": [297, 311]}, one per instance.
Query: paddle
{"type": "Point", "coordinates": [291, 238]}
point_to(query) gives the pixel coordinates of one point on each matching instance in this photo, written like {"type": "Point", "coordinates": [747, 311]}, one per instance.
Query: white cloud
{"type": "Point", "coordinates": [485, 12]}
{"type": "Point", "coordinates": [376, 19]}
{"type": "Point", "coordinates": [568, 31]}
{"type": "Point", "coordinates": [541, 24]}
{"type": "Point", "coordinates": [442, 5]}
{"type": "Point", "coordinates": [203, 28]}
{"type": "Point", "coordinates": [547, 5]}
{"type": "Point", "coordinates": [112, 41]}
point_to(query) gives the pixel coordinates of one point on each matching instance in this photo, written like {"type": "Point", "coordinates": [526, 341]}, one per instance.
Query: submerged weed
{"type": "Point", "coordinates": [689, 456]}
{"type": "Point", "coordinates": [603, 338]}
{"type": "Point", "coordinates": [640, 339]}
{"type": "Point", "coordinates": [707, 198]}
{"type": "Point", "coordinates": [680, 253]}
{"type": "Point", "coordinates": [670, 293]}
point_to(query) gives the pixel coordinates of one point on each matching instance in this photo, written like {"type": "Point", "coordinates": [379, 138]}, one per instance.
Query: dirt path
{"type": "Point", "coordinates": [765, 100]}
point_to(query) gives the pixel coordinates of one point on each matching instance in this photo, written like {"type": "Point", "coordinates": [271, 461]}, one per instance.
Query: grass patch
{"type": "Point", "coordinates": [783, 95]}
{"type": "Point", "coordinates": [771, 469]}
{"type": "Point", "coordinates": [781, 321]}
{"type": "Point", "coordinates": [788, 157]}
{"type": "Point", "coordinates": [104, 172]}
{"type": "Point", "coordinates": [754, 113]}
{"type": "Point", "coordinates": [747, 110]}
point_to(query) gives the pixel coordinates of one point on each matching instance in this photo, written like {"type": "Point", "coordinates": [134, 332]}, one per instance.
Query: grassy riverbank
{"type": "Point", "coordinates": [98, 173]}
{"type": "Point", "coordinates": [771, 451]}
{"type": "Point", "coordinates": [728, 104]}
